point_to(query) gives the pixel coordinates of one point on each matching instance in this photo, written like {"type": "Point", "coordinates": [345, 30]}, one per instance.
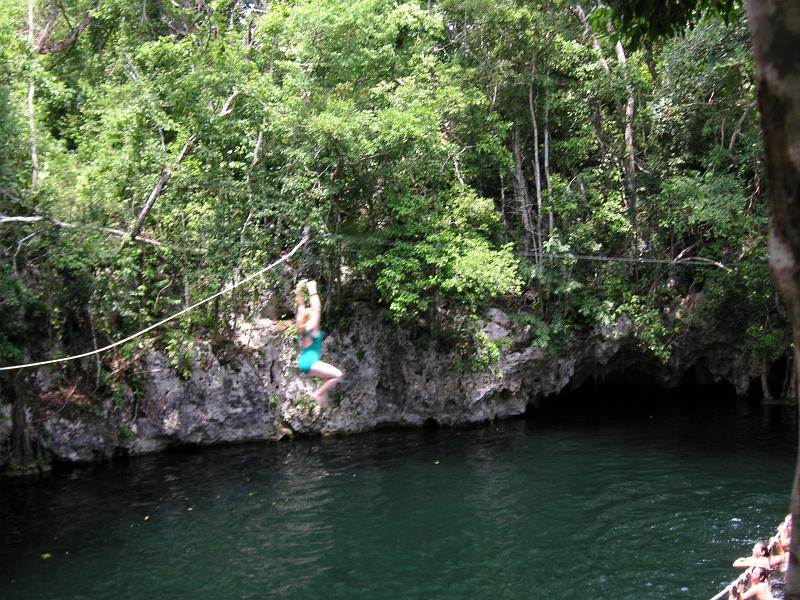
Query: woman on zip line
{"type": "Point", "coordinates": [309, 338]}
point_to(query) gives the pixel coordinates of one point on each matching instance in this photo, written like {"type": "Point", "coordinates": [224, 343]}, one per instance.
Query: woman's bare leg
{"type": "Point", "coordinates": [331, 374]}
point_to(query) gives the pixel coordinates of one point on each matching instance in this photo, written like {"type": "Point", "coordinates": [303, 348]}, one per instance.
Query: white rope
{"type": "Point", "coordinates": [690, 261]}
{"type": "Point", "coordinates": [696, 261]}
{"type": "Point", "coordinates": [162, 321]}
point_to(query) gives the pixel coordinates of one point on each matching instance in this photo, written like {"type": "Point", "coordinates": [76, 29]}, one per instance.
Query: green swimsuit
{"type": "Point", "coordinates": [308, 356]}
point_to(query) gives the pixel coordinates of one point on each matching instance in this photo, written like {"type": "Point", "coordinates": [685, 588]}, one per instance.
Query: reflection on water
{"type": "Point", "coordinates": [639, 504]}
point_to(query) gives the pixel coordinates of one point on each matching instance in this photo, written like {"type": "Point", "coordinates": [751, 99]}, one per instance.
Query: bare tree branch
{"type": "Point", "coordinates": [115, 232]}
{"type": "Point", "coordinates": [67, 41]}
{"type": "Point", "coordinates": [14, 268]}
{"type": "Point", "coordinates": [738, 129]}
{"type": "Point", "coordinates": [256, 152]}
{"type": "Point", "coordinates": [159, 187]}
{"type": "Point", "coordinates": [52, 15]}
{"type": "Point", "coordinates": [226, 108]}
{"type": "Point", "coordinates": [685, 251]}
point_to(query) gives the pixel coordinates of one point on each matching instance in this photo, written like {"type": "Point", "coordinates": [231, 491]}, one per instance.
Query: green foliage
{"type": "Point", "coordinates": [450, 261]}
{"type": "Point", "coordinates": [649, 327]}
{"type": "Point", "coordinates": [546, 335]}
{"type": "Point", "coordinates": [482, 353]}
{"type": "Point", "coordinates": [125, 432]}
{"type": "Point", "coordinates": [306, 404]}
{"type": "Point", "coordinates": [709, 205]}
{"type": "Point", "coordinates": [387, 128]}
{"type": "Point", "coordinates": [180, 353]}
{"type": "Point", "coordinates": [649, 19]}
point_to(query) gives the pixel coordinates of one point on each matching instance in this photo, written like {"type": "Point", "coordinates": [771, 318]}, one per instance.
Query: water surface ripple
{"type": "Point", "coordinates": [635, 505]}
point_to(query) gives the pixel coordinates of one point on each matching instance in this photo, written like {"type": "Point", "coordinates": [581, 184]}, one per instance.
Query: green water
{"type": "Point", "coordinates": [613, 504]}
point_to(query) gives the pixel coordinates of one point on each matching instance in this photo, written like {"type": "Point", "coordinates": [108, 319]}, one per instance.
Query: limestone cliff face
{"type": "Point", "coordinates": [257, 394]}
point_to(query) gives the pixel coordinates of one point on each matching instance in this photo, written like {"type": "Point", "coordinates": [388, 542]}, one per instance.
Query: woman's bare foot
{"type": "Point", "coordinates": [321, 400]}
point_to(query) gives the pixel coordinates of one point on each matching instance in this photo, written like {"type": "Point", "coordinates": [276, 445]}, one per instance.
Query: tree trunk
{"type": "Point", "coordinates": [550, 215]}
{"type": "Point", "coordinates": [738, 128]}
{"type": "Point", "coordinates": [630, 149]}
{"type": "Point", "coordinates": [521, 192]}
{"type": "Point", "coordinates": [503, 203]}
{"type": "Point", "coordinates": [537, 175]}
{"type": "Point", "coordinates": [98, 366]}
{"type": "Point", "coordinates": [31, 114]}
{"type": "Point", "coordinates": [37, 44]}
{"type": "Point", "coordinates": [766, 396]}
{"type": "Point", "coordinates": [32, 125]}
{"type": "Point", "coordinates": [591, 36]}
{"type": "Point", "coordinates": [629, 170]}
{"type": "Point", "coordinates": [650, 62]}
{"type": "Point", "coordinates": [23, 455]}
{"type": "Point", "coordinates": [775, 30]}
{"type": "Point", "coordinates": [787, 389]}
{"type": "Point", "coordinates": [597, 114]}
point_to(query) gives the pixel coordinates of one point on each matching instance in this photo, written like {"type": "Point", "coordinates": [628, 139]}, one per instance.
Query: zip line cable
{"type": "Point", "coordinates": [690, 261]}
{"type": "Point", "coordinates": [285, 257]}
{"type": "Point", "coordinates": [697, 261]}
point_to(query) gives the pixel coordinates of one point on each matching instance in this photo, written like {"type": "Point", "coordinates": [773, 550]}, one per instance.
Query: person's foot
{"type": "Point", "coordinates": [321, 400]}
